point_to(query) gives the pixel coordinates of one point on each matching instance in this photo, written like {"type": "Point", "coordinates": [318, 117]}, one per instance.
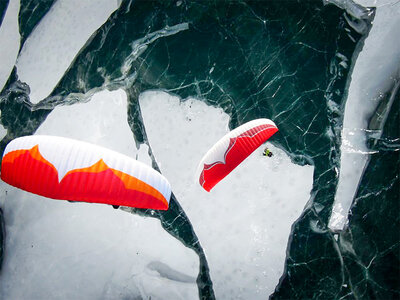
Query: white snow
{"type": "Point", "coordinates": [10, 39]}
{"type": "Point", "coordinates": [57, 39]}
{"type": "Point", "coordinates": [103, 121]}
{"type": "Point", "coordinates": [61, 250]}
{"type": "Point", "coordinates": [377, 3]}
{"type": "Point", "coordinates": [375, 70]}
{"type": "Point", "coordinates": [244, 223]}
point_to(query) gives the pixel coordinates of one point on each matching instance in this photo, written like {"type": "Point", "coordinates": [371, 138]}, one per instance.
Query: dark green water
{"type": "Point", "coordinates": [275, 59]}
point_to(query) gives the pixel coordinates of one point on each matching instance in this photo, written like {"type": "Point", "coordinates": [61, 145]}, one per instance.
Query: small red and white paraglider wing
{"type": "Point", "coordinates": [232, 149]}
{"type": "Point", "coordinates": [66, 169]}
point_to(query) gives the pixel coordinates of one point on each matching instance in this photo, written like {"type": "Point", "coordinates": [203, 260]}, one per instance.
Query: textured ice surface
{"type": "Point", "coordinates": [62, 250]}
{"type": "Point", "coordinates": [381, 52]}
{"type": "Point", "coordinates": [102, 120]}
{"type": "Point", "coordinates": [377, 3]}
{"type": "Point", "coordinates": [55, 42]}
{"type": "Point", "coordinates": [244, 223]}
{"type": "Point", "coordinates": [9, 37]}
{"type": "Point", "coordinates": [3, 131]}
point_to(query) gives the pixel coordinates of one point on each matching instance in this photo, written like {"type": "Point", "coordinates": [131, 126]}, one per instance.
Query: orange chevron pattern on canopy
{"type": "Point", "coordinates": [28, 169]}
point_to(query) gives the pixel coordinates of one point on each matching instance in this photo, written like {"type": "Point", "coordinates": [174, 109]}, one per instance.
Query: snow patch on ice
{"type": "Point", "coordinates": [376, 3]}
{"type": "Point", "coordinates": [375, 71]}
{"type": "Point", "coordinates": [102, 120]}
{"type": "Point", "coordinates": [10, 41]}
{"type": "Point", "coordinates": [244, 224]}
{"type": "Point", "coordinates": [56, 40]}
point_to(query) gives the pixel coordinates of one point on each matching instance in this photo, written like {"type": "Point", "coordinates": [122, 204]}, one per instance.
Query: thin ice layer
{"type": "Point", "coordinates": [89, 251]}
{"type": "Point", "coordinates": [244, 223]}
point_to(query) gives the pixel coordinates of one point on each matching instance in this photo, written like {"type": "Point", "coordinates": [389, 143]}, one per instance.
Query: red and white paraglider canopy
{"type": "Point", "coordinates": [66, 169]}
{"type": "Point", "coordinates": [232, 149]}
